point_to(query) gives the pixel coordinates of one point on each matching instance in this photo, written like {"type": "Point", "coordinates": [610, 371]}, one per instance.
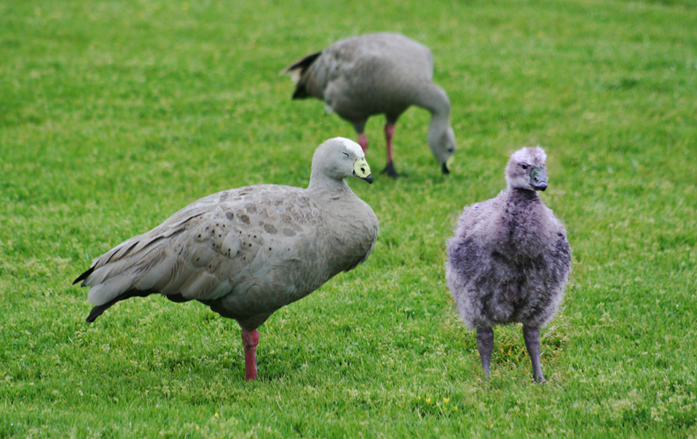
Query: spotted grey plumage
{"type": "Point", "coordinates": [509, 259]}
{"type": "Point", "coordinates": [249, 251]}
{"type": "Point", "coordinates": [382, 73]}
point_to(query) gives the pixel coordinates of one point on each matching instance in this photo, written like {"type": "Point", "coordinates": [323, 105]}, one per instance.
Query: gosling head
{"type": "Point", "coordinates": [527, 170]}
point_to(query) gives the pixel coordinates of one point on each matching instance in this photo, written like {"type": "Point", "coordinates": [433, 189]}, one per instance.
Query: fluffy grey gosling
{"type": "Point", "coordinates": [248, 252]}
{"type": "Point", "coordinates": [509, 259]}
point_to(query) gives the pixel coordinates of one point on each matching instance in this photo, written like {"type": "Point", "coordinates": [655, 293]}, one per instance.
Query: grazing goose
{"type": "Point", "coordinates": [371, 74]}
{"type": "Point", "coordinates": [248, 252]}
{"type": "Point", "coordinates": [509, 259]}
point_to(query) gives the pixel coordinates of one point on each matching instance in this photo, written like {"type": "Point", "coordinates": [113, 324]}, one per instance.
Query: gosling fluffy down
{"type": "Point", "coordinates": [509, 259]}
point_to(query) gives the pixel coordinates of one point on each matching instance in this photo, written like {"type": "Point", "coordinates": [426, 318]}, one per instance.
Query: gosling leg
{"type": "Point", "coordinates": [485, 345]}
{"type": "Point", "coordinates": [532, 343]}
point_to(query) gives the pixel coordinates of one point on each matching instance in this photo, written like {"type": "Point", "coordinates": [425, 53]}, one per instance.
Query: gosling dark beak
{"type": "Point", "coordinates": [369, 179]}
{"type": "Point", "coordinates": [538, 179]}
{"type": "Point", "coordinates": [444, 168]}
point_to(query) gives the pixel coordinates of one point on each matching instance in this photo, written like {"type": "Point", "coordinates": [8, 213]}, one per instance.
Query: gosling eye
{"type": "Point", "coordinates": [524, 166]}
{"type": "Point", "coordinates": [345, 153]}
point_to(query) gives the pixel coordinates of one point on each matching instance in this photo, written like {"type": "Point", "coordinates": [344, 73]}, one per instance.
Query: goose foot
{"type": "Point", "coordinates": [390, 170]}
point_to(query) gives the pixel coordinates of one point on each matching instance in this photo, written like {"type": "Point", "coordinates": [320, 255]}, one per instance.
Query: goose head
{"type": "Point", "coordinates": [339, 158]}
{"type": "Point", "coordinates": [527, 169]}
{"type": "Point", "coordinates": [442, 144]}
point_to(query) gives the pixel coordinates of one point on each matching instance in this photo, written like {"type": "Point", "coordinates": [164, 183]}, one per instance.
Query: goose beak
{"type": "Point", "coordinates": [447, 165]}
{"type": "Point", "coordinates": [362, 170]}
{"type": "Point", "coordinates": [538, 179]}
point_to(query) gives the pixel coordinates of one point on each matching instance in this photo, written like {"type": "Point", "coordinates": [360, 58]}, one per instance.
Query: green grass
{"type": "Point", "coordinates": [115, 114]}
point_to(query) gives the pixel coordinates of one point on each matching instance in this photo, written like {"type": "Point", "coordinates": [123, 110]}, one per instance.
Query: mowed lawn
{"type": "Point", "coordinates": [114, 114]}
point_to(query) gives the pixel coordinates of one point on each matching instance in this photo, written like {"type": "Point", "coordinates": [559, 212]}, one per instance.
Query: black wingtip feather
{"type": "Point", "coordinates": [300, 92]}
{"type": "Point", "coordinates": [302, 65]}
{"type": "Point", "coordinates": [99, 310]}
{"type": "Point", "coordinates": [84, 275]}
{"type": "Point", "coordinates": [96, 312]}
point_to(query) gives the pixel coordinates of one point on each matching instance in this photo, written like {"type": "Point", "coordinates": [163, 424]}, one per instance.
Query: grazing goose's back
{"type": "Point", "coordinates": [369, 74]}
{"type": "Point", "coordinates": [247, 252]}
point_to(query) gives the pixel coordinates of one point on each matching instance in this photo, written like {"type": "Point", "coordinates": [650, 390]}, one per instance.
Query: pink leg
{"type": "Point", "coordinates": [250, 340]}
{"type": "Point", "coordinates": [363, 141]}
{"type": "Point", "coordinates": [389, 168]}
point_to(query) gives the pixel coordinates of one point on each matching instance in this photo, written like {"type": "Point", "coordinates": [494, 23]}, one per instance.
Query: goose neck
{"type": "Point", "coordinates": [326, 187]}
{"type": "Point", "coordinates": [434, 99]}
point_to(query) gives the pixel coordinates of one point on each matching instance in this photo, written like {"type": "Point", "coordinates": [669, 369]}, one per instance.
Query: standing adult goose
{"type": "Point", "coordinates": [509, 259]}
{"type": "Point", "coordinates": [381, 73]}
{"type": "Point", "coordinates": [249, 251]}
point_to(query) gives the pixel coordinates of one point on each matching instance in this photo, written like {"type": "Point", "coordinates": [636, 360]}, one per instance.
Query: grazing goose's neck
{"type": "Point", "coordinates": [434, 99]}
